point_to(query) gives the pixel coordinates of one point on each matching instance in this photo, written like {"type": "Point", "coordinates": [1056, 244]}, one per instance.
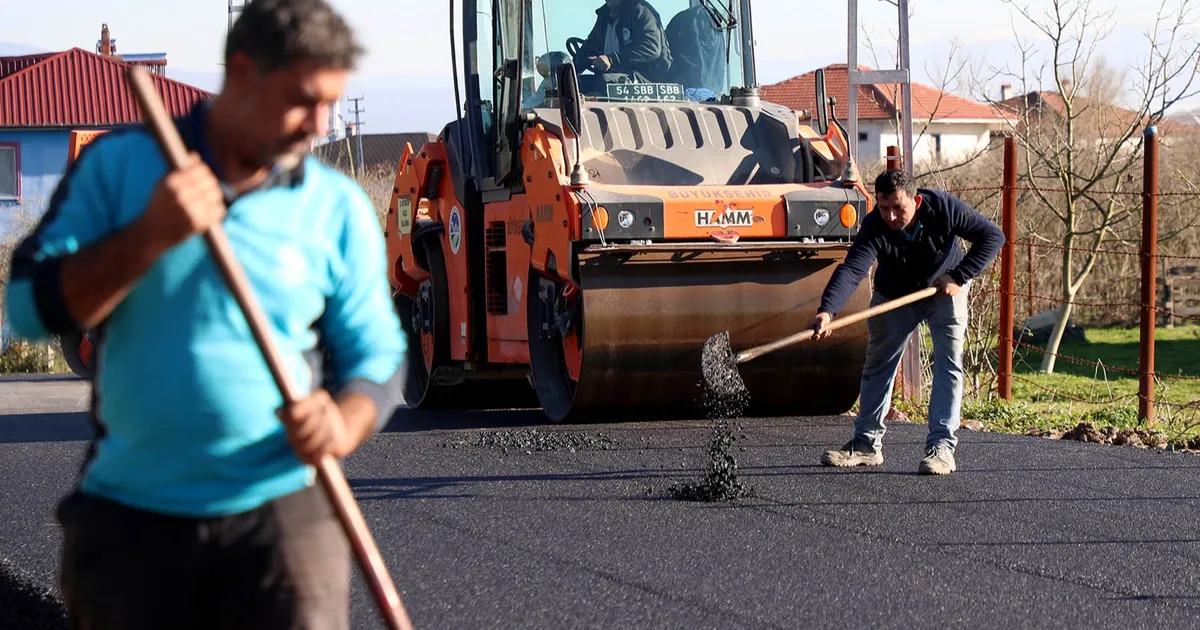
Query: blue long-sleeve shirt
{"type": "Point", "coordinates": [183, 401]}
{"type": "Point", "coordinates": [912, 260]}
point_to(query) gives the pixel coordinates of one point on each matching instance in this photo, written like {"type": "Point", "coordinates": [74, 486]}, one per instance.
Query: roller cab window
{"type": "Point", "coordinates": [641, 51]}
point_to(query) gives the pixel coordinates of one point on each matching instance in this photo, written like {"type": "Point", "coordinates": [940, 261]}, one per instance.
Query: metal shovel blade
{"type": "Point", "coordinates": [721, 376]}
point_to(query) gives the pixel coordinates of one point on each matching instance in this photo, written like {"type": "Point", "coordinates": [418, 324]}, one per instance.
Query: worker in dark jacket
{"type": "Point", "coordinates": [628, 39]}
{"type": "Point", "coordinates": [698, 59]}
{"type": "Point", "coordinates": [913, 234]}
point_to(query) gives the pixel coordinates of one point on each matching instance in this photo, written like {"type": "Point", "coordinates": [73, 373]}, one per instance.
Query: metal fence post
{"type": "Point", "coordinates": [1032, 284]}
{"type": "Point", "coordinates": [909, 374]}
{"type": "Point", "coordinates": [1008, 269]}
{"type": "Point", "coordinates": [1149, 277]}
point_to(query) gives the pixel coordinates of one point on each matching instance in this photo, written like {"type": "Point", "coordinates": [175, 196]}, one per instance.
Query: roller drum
{"type": "Point", "coordinates": [646, 316]}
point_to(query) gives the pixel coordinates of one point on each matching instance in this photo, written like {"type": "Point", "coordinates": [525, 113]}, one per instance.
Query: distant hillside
{"type": "Point", "coordinates": [11, 49]}
{"type": "Point", "coordinates": [393, 104]}
{"type": "Point", "coordinates": [1191, 117]}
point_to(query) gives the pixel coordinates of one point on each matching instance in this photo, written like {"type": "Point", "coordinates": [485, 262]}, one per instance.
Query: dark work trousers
{"type": "Point", "coordinates": [285, 565]}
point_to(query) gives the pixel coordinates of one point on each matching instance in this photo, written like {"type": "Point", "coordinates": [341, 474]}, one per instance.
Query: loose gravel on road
{"type": "Point", "coordinates": [530, 440]}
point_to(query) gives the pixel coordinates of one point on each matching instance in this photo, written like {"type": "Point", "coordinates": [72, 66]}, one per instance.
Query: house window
{"type": "Point", "coordinates": [863, 136]}
{"type": "Point", "coordinates": [10, 171]}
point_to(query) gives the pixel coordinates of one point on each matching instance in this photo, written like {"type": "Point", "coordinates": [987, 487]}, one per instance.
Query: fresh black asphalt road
{"type": "Point", "coordinates": [1030, 533]}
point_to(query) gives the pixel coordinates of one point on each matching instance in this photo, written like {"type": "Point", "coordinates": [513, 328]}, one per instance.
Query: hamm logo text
{"type": "Point", "coordinates": [725, 218]}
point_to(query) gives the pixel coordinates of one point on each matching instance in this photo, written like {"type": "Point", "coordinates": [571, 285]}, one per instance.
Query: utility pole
{"type": "Point", "coordinates": [900, 75]}
{"type": "Point", "coordinates": [910, 363]}
{"type": "Point", "coordinates": [233, 9]}
{"type": "Point", "coordinates": [358, 130]}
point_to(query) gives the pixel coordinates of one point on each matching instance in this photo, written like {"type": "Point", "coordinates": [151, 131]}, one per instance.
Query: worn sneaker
{"type": "Point", "coordinates": [853, 454]}
{"type": "Point", "coordinates": [939, 460]}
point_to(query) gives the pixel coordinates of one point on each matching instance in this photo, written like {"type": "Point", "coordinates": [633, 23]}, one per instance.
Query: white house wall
{"type": "Point", "coordinates": [958, 140]}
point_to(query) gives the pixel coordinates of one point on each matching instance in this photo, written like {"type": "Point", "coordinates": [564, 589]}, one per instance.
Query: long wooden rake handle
{"type": "Point", "coordinates": [751, 353]}
{"type": "Point", "coordinates": [328, 470]}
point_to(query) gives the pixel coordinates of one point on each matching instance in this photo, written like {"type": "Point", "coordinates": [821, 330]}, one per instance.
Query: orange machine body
{"type": "Point", "coordinates": [572, 239]}
{"type": "Point", "coordinates": [545, 226]}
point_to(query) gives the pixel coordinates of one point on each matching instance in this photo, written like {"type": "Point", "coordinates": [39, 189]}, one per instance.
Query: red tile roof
{"type": "Point", "coordinates": [77, 88]}
{"type": "Point", "coordinates": [9, 65]}
{"type": "Point", "coordinates": [874, 103]}
{"type": "Point", "coordinates": [1099, 116]}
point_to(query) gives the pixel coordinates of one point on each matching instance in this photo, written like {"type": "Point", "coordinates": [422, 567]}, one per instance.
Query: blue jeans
{"type": "Point", "coordinates": [889, 333]}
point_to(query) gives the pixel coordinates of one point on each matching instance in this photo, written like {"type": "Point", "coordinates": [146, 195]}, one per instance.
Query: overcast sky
{"type": "Point", "coordinates": [405, 74]}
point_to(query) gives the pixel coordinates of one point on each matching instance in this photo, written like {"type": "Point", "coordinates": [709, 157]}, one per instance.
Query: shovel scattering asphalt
{"type": "Point", "coordinates": [719, 363]}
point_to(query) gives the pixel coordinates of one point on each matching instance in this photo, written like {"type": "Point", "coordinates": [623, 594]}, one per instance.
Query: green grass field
{"type": "Point", "coordinates": [22, 357]}
{"type": "Point", "coordinates": [1096, 392]}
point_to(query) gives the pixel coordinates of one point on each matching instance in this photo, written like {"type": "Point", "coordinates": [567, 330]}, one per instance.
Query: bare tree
{"type": "Point", "coordinates": [970, 174]}
{"type": "Point", "coordinates": [1082, 152]}
{"type": "Point", "coordinates": [946, 79]}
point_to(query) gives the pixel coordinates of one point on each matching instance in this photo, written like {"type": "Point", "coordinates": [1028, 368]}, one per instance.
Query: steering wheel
{"type": "Point", "coordinates": [574, 45]}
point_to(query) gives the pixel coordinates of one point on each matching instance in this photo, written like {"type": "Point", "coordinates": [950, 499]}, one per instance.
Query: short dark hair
{"type": "Point", "coordinates": [895, 179]}
{"type": "Point", "coordinates": [277, 33]}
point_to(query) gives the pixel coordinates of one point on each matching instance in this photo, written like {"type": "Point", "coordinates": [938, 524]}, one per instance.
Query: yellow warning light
{"type": "Point", "coordinates": [848, 216]}
{"type": "Point", "coordinates": [600, 218]}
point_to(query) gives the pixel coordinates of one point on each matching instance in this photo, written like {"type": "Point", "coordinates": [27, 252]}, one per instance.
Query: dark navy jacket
{"type": "Point", "coordinates": [912, 260]}
{"type": "Point", "coordinates": [641, 38]}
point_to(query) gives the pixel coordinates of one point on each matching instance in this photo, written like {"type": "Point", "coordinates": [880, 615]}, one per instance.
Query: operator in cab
{"type": "Point", "coordinates": [627, 42]}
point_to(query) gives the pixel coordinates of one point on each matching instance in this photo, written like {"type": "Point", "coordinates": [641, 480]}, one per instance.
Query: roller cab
{"type": "Point", "coordinates": [573, 239]}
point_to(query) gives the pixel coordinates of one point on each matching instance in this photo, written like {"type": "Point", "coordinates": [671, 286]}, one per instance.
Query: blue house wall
{"type": "Point", "coordinates": [42, 159]}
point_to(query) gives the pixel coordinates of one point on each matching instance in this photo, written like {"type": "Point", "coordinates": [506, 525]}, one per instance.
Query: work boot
{"type": "Point", "coordinates": [939, 460]}
{"type": "Point", "coordinates": [853, 454]}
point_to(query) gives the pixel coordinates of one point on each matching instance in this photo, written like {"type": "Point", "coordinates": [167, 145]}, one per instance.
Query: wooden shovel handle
{"type": "Point", "coordinates": [328, 470]}
{"type": "Point", "coordinates": [758, 351]}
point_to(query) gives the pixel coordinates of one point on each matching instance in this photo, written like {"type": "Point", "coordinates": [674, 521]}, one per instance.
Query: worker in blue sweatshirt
{"type": "Point", "coordinates": [196, 504]}
{"type": "Point", "coordinates": [914, 235]}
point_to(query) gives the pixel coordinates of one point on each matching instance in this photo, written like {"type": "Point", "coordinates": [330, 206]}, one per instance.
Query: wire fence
{"type": "Point", "coordinates": [1129, 349]}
